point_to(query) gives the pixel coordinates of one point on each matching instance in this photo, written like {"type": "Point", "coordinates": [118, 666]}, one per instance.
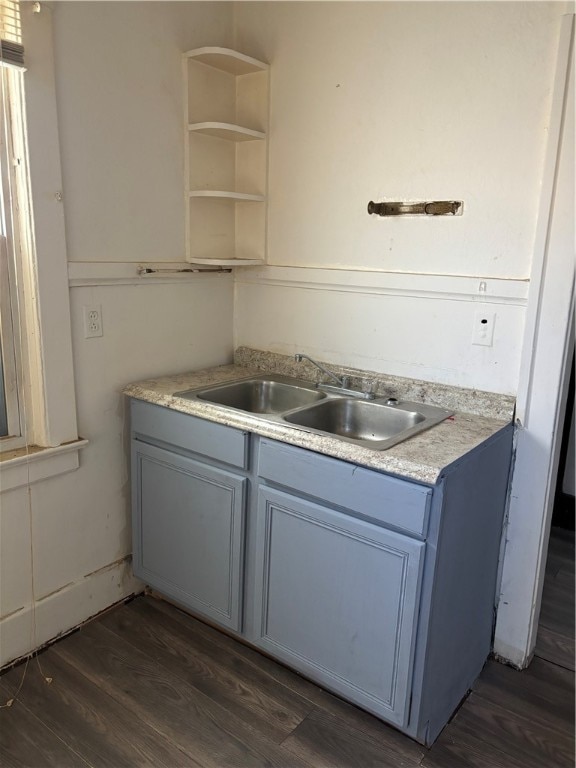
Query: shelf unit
{"type": "Point", "coordinates": [226, 153]}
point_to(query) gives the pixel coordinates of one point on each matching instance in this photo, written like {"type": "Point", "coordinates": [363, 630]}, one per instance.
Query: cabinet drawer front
{"type": "Point", "coordinates": [188, 523]}
{"type": "Point", "coordinates": [183, 431]}
{"type": "Point", "coordinates": [379, 497]}
{"type": "Point", "coordinates": [337, 598]}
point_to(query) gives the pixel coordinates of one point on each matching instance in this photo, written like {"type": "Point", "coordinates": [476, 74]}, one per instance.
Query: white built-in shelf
{"type": "Point", "coordinates": [238, 197]}
{"type": "Point", "coordinates": [227, 60]}
{"type": "Point", "coordinates": [228, 262]}
{"type": "Point", "coordinates": [226, 149]}
{"type": "Point", "coordinates": [226, 131]}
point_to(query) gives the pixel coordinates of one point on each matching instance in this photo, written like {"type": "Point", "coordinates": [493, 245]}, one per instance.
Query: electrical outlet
{"type": "Point", "coordinates": [483, 333]}
{"type": "Point", "coordinates": [92, 321]}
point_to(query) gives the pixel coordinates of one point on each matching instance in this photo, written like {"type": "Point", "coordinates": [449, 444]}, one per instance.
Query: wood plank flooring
{"type": "Point", "coordinates": [555, 640]}
{"type": "Point", "coordinates": [147, 685]}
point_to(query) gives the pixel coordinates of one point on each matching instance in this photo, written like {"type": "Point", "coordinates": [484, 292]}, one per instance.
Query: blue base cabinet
{"type": "Point", "coordinates": [337, 598]}
{"type": "Point", "coordinates": [378, 588]}
{"type": "Point", "coordinates": [188, 531]}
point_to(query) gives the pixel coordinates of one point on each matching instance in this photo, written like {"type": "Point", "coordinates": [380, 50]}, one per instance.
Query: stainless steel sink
{"type": "Point", "coordinates": [259, 395]}
{"type": "Point", "coordinates": [371, 424]}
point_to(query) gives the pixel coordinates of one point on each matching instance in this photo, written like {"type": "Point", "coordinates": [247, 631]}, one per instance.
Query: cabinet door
{"type": "Point", "coordinates": [337, 598]}
{"type": "Point", "coordinates": [188, 521]}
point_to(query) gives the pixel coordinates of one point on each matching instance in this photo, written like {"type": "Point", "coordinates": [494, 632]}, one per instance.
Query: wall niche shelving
{"type": "Point", "coordinates": [226, 113]}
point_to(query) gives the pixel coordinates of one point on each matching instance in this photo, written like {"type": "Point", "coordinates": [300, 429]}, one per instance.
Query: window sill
{"type": "Point", "coordinates": [25, 466]}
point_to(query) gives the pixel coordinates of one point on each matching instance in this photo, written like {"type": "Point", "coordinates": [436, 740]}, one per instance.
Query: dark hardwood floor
{"type": "Point", "coordinates": [555, 640]}
{"type": "Point", "coordinates": [147, 685]}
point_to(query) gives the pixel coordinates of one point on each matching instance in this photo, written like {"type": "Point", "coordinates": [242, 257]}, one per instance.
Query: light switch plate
{"type": "Point", "coordinates": [483, 332]}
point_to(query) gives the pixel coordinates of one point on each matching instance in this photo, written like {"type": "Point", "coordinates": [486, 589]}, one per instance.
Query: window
{"type": "Point", "coordinates": [13, 219]}
{"type": "Point", "coordinates": [38, 396]}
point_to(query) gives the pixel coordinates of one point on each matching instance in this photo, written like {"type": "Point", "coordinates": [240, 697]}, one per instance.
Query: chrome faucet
{"type": "Point", "coordinates": [342, 381]}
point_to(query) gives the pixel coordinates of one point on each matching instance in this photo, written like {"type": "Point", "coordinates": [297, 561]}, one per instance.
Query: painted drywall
{"type": "Point", "coordinates": [65, 542]}
{"type": "Point", "coordinates": [405, 101]}
{"type": "Point", "coordinates": [399, 101]}
{"type": "Point", "coordinates": [120, 97]}
{"type": "Point", "coordinates": [120, 136]}
{"type": "Point", "coordinates": [423, 332]}
{"type": "Point", "coordinates": [80, 522]}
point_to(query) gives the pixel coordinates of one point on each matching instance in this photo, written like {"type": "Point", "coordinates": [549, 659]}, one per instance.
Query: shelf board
{"type": "Point", "coordinates": [227, 60]}
{"type": "Point", "coordinates": [228, 262]}
{"type": "Point", "coordinates": [240, 197]}
{"type": "Point", "coordinates": [226, 131]}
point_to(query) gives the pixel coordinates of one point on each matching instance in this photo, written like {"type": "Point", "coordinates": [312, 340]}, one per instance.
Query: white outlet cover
{"type": "Point", "coordinates": [92, 316]}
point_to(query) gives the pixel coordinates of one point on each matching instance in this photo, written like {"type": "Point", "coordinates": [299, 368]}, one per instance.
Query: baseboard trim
{"type": "Point", "coordinates": [24, 631]}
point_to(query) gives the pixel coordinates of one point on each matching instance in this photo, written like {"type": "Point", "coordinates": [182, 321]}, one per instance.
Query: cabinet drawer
{"type": "Point", "coordinates": [183, 431]}
{"type": "Point", "coordinates": [375, 496]}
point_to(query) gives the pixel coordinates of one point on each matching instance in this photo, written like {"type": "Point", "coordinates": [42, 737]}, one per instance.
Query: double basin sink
{"type": "Point", "coordinates": [377, 424]}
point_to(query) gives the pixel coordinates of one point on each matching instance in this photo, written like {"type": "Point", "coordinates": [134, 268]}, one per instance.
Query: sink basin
{"type": "Point", "coordinates": [258, 395]}
{"type": "Point", "coordinates": [370, 424]}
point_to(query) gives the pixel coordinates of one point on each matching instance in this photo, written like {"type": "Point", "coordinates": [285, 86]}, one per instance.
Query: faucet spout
{"type": "Point", "coordinates": [341, 381]}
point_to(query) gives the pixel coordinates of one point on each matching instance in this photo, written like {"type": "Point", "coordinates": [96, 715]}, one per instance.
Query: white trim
{"type": "Point", "coordinates": [14, 213]}
{"type": "Point", "coordinates": [51, 398]}
{"type": "Point", "coordinates": [464, 288]}
{"type": "Point", "coordinates": [31, 468]}
{"type": "Point", "coordinates": [10, 367]}
{"type": "Point", "coordinates": [526, 374]}
{"type": "Point", "coordinates": [238, 197]}
{"type": "Point", "coordinates": [226, 131]}
{"type": "Point", "coordinates": [227, 60]}
{"type": "Point", "coordinates": [456, 287]}
{"type": "Point", "coordinates": [31, 626]}
{"type": "Point", "coordinates": [541, 399]}
{"type": "Point", "coordinates": [88, 273]}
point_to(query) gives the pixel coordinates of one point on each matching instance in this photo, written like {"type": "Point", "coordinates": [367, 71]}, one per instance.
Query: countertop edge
{"type": "Point", "coordinates": [423, 458]}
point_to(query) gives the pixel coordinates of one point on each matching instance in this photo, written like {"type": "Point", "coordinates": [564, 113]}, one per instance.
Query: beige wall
{"type": "Point", "coordinates": [64, 541]}
{"type": "Point", "coordinates": [405, 101]}
{"type": "Point", "coordinates": [119, 90]}
{"type": "Point", "coordinates": [369, 101]}
{"type": "Point", "coordinates": [400, 101]}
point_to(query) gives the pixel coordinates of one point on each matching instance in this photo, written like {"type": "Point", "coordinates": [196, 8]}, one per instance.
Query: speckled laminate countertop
{"type": "Point", "coordinates": [421, 458]}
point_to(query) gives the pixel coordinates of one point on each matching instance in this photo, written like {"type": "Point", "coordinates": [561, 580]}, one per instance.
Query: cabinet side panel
{"type": "Point", "coordinates": [251, 165]}
{"type": "Point", "coordinates": [250, 228]}
{"type": "Point", "coordinates": [252, 101]}
{"type": "Point", "coordinates": [463, 593]}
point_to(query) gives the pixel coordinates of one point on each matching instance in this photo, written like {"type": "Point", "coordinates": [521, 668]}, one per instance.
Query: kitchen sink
{"type": "Point", "coordinates": [260, 395]}
{"type": "Point", "coordinates": [371, 424]}
{"type": "Point", "coordinates": [357, 419]}
{"type": "Point", "coordinates": [376, 424]}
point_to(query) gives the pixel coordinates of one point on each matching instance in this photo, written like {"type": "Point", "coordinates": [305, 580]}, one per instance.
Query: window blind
{"type": "Point", "coordinates": [11, 48]}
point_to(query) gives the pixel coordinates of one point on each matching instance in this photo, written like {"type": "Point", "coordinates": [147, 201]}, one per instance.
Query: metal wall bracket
{"type": "Point", "coordinates": [431, 208]}
{"type": "Point", "coordinates": [143, 271]}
